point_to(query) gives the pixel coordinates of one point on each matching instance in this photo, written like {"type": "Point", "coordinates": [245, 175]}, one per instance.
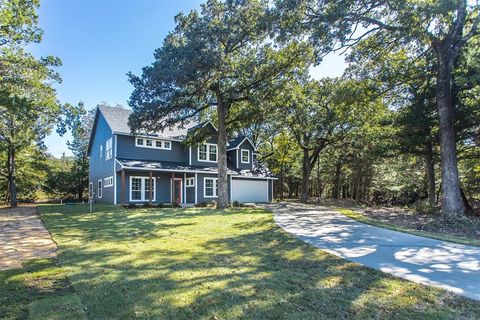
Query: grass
{"type": "Point", "coordinates": [360, 217]}
{"type": "Point", "coordinates": [204, 264]}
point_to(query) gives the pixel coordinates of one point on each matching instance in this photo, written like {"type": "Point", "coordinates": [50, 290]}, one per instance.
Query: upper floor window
{"type": "Point", "coordinates": [108, 149]}
{"type": "Point", "coordinates": [245, 156]}
{"type": "Point", "coordinates": [207, 152]}
{"type": "Point", "coordinates": [153, 143]}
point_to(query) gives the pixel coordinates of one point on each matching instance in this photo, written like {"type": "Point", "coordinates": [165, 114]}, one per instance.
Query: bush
{"type": "Point", "coordinates": [202, 204]}
{"type": "Point", "coordinates": [423, 206]}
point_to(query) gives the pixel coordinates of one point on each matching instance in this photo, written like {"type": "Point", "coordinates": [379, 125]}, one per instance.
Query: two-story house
{"type": "Point", "coordinates": [161, 168]}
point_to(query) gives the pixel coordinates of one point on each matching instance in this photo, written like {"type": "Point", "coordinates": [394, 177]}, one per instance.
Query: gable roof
{"type": "Point", "coordinates": [117, 119]}
{"type": "Point", "coordinates": [236, 142]}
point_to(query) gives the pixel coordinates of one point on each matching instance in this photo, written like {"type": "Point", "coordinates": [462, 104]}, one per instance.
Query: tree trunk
{"type": "Point", "coordinates": [451, 198]}
{"type": "Point", "coordinates": [336, 185]}
{"type": "Point", "coordinates": [282, 180]}
{"type": "Point", "coordinates": [222, 153]}
{"type": "Point", "coordinates": [306, 170]}
{"type": "Point", "coordinates": [430, 173]}
{"type": "Point", "coordinates": [12, 184]}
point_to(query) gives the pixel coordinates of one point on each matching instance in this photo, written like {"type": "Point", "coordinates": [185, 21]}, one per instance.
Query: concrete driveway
{"type": "Point", "coordinates": [450, 266]}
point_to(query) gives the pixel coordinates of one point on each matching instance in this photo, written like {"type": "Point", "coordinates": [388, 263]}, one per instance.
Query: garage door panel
{"type": "Point", "coordinates": [249, 190]}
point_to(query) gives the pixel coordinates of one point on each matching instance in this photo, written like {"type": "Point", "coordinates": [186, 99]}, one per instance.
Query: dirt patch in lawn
{"type": "Point", "coordinates": [23, 237]}
{"type": "Point", "coordinates": [467, 227]}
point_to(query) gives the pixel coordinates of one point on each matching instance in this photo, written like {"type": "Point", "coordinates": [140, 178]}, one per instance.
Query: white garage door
{"type": "Point", "coordinates": [244, 190]}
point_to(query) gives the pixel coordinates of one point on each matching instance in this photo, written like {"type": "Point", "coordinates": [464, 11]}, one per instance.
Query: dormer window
{"type": "Point", "coordinates": [245, 156]}
{"type": "Point", "coordinates": [207, 152]}
{"type": "Point", "coordinates": [153, 143]}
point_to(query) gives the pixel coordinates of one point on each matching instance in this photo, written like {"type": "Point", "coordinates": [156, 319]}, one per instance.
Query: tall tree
{"type": "Point", "coordinates": [28, 106]}
{"type": "Point", "coordinates": [220, 56]}
{"type": "Point", "coordinates": [442, 26]}
{"type": "Point", "coordinates": [80, 122]}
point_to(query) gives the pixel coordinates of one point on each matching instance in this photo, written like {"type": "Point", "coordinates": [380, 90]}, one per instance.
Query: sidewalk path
{"type": "Point", "coordinates": [23, 237]}
{"type": "Point", "coordinates": [451, 266]}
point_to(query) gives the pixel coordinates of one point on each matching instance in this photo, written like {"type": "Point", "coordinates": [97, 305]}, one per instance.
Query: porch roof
{"type": "Point", "coordinates": [167, 166]}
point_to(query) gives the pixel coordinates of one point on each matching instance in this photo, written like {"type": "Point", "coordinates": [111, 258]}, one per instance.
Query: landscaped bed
{"type": "Point", "coordinates": [202, 263]}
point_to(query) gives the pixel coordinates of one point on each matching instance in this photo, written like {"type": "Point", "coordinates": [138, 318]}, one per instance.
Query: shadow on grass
{"type": "Point", "coordinates": [202, 263]}
{"type": "Point", "coordinates": [23, 292]}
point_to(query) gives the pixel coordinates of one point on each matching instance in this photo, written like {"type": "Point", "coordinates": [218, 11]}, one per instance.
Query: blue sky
{"type": "Point", "coordinates": [100, 41]}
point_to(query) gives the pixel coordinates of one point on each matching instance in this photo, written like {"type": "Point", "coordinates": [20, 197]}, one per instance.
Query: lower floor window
{"type": "Point", "coordinates": [99, 191]}
{"type": "Point", "coordinates": [210, 187]}
{"type": "Point", "coordinates": [140, 189]}
{"type": "Point", "coordinates": [90, 190]}
{"type": "Point", "coordinates": [190, 182]}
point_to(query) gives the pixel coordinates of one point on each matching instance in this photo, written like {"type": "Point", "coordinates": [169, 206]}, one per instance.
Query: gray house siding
{"type": "Point", "coordinates": [98, 166]}
{"type": "Point", "coordinates": [128, 150]}
{"type": "Point", "coordinates": [232, 158]}
{"type": "Point", "coordinates": [190, 191]}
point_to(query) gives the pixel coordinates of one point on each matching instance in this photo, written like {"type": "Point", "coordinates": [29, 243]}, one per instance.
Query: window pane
{"type": "Point", "coordinates": [147, 189]}
{"type": "Point", "coordinates": [149, 143]}
{"type": "Point", "coordinates": [245, 156]}
{"type": "Point", "coordinates": [136, 189]}
{"type": "Point", "coordinates": [140, 142]}
{"type": "Point", "coordinates": [136, 195]}
{"type": "Point", "coordinates": [166, 144]}
{"type": "Point", "coordinates": [158, 144]}
{"type": "Point", "coordinates": [209, 192]}
{"type": "Point", "coordinates": [202, 154]}
{"type": "Point", "coordinates": [213, 153]}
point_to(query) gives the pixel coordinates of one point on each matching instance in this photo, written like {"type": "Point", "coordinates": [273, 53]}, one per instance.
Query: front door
{"type": "Point", "coordinates": [177, 191]}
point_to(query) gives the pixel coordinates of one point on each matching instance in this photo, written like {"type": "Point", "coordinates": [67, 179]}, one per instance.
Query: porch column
{"type": "Point", "coordinates": [195, 188]}
{"type": "Point", "coordinates": [123, 186]}
{"type": "Point", "coordinates": [184, 188]}
{"type": "Point", "coordinates": [150, 191]}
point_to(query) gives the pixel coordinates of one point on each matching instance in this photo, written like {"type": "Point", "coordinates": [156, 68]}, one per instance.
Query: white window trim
{"type": "Point", "coordinates": [154, 143]}
{"type": "Point", "coordinates": [108, 149]}
{"type": "Point", "coordinates": [142, 188]}
{"type": "Point", "coordinates": [90, 190]}
{"type": "Point", "coordinates": [101, 151]}
{"type": "Point", "coordinates": [108, 182]}
{"type": "Point", "coordinates": [190, 182]}
{"type": "Point", "coordinates": [208, 153]}
{"type": "Point", "coordinates": [100, 189]}
{"type": "Point", "coordinates": [241, 155]}
{"type": "Point", "coordinates": [215, 187]}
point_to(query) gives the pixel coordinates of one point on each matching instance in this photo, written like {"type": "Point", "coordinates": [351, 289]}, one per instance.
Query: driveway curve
{"type": "Point", "coordinates": [447, 265]}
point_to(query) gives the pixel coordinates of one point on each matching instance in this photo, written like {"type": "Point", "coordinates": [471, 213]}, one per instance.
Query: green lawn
{"type": "Point", "coordinates": [204, 264]}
